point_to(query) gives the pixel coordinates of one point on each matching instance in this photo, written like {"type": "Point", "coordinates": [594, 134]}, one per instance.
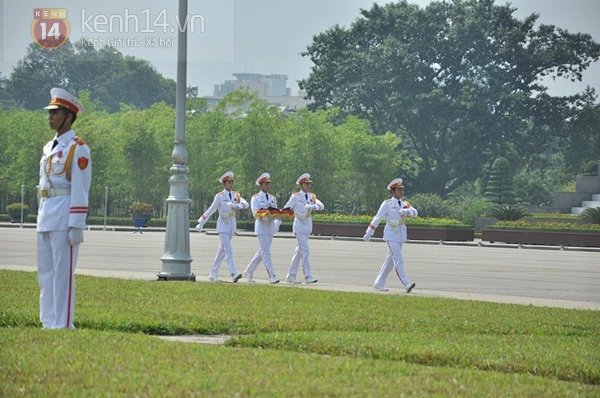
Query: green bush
{"type": "Point", "coordinates": [507, 212]}
{"type": "Point", "coordinates": [591, 215]}
{"type": "Point", "coordinates": [467, 209]}
{"type": "Point", "coordinates": [14, 207]}
{"type": "Point", "coordinates": [15, 210]}
{"type": "Point", "coordinates": [591, 168]}
{"type": "Point", "coordinates": [430, 205]}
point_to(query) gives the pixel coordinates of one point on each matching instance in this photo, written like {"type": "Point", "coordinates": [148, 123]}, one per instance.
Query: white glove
{"type": "Point", "coordinates": [404, 212]}
{"type": "Point", "coordinates": [199, 227]}
{"type": "Point", "coordinates": [232, 206]}
{"type": "Point", "coordinates": [309, 207]}
{"type": "Point", "coordinates": [240, 206]}
{"type": "Point", "coordinates": [277, 223]}
{"type": "Point", "coordinates": [412, 212]}
{"type": "Point", "coordinates": [75, 236]}
{"type": "Point", "coordinates": [367, 237]}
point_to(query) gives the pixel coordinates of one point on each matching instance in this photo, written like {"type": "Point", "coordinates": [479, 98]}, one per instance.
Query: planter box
{"type": "Point", "coordinates": [414, 232]}
{"type": "Point", "coordinates": [541, 237]}
{"type": "Point", "coordinates": [140, 220]}
{"type": "Point", "coordinates": [15, 216]}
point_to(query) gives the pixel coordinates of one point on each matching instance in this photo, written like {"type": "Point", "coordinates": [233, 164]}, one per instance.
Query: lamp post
{"type": "Point", "coordinates": [22, 203]}
{"type": "Point", "coordinates": [105, 205]}
{"type": "Point", "coordinates": [176, 259]}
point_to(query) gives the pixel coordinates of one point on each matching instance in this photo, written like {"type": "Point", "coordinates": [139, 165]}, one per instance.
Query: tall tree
{"type": "Point", "coordinates": [457, 80]}
{"type": "Point", "coordinates": [32, 78]}
{"type": "Point", "coordinates": [582, 143]}
{"type": "Point", "coordinates": [110, 77]}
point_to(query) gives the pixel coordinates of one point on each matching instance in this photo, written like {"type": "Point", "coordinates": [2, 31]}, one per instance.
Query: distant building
{"type": "Point", "coordinates": [271, 87]}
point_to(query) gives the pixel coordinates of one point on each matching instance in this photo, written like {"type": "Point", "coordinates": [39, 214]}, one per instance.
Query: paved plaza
{"type": "Point", "coordinates": [541, 276]}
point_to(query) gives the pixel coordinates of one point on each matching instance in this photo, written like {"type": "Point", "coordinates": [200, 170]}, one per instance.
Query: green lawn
{"type": "Point", "coordinates": [290, 342]}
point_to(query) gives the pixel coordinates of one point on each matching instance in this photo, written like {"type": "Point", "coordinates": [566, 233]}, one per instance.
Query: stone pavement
{"type": "Point", "coordinates": [540, 276]}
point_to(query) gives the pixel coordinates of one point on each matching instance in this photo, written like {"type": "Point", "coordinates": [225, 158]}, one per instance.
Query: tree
{"type": "Point", "coordinates": [110, 77]}
{"type": "Point", "coordinates": [582, 143]}
{"type": "Point", "coordinates": [458, 80]}
{"type": "Point", "coordinates": [500, 187]}
{"type": "Point", "coordinates": [30, 82]}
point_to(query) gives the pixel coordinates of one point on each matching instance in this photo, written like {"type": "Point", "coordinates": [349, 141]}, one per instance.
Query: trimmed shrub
{"type": "Point", "coordinates": [500, 186]}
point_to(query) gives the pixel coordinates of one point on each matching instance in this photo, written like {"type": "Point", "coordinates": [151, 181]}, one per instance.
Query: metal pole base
{"type": "Point", "coordinates": [162, 276]}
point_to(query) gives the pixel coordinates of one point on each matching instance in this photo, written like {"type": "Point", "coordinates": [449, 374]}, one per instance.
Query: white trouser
{"type": "Point", "coordinates": [56, 275]}
{"type": "Point", "coordinates": [223, 252]}
{"type": "Point", "coordinates": [301, 252]}
{"type": "Point", "coordinates": [263, 254]}
{"type": "Point", "coordinates": [392, 260]}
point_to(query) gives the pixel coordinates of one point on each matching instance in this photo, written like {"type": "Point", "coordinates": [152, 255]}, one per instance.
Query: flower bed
{"type": "Point", "coordinates": [417, 228]}
{"type": "Point", "coordinates": [543, 233]}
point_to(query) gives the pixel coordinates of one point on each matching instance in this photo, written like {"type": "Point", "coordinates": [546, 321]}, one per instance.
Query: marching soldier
{"type": "Point", "coordinates": [395, 211]}
{"type": "Point", "coordinates": [265, 226]}
{"type": "Point", "coordinates": [303, 203]}
{"type": "Point", "coordinates": [63, 190]}
{"type": "Point", "coordinates": [227, 202]}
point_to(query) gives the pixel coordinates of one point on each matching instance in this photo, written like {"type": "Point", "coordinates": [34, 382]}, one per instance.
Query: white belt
{"type": "Point", "coordinates": [48, 192]}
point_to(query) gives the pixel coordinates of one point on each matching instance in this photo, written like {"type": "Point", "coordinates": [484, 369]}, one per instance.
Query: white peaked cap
{"type": "Point", "coordinates": [227, 176]}
{"type": "Point", "coordinates": [63, 99]}
{"type": "Point", "coordinates": [395, 184]}
{"type": "Point", "coordinates": [303, 178]}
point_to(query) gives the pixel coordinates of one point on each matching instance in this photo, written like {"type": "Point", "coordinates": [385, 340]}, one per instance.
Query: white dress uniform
{"type": "Point", "coordinates": [264, 228]}
{"type": "Point", "coordinates": [65, 179]}
{"type": "Point", "coordinates": [227, 203]}
{"type": "Point", "coordinates": [303, 204]}
{"type": "Point", "coordinates": [395, 213]}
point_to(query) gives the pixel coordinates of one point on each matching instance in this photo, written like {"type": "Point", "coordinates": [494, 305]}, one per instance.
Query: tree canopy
{"type": "Point", "coordinates": [110, 77]}
{"type": "Point", "coordinates": [460, 81]}
{"type": "Point", "coordinates": [132, 154]}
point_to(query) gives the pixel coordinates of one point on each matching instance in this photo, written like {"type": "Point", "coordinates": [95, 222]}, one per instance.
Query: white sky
{"type": "Point", "coordinates": [260, 36]}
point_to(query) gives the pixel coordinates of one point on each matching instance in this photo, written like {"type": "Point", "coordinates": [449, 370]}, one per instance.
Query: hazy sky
{"type": "Point", "coordinates": [260, 36]}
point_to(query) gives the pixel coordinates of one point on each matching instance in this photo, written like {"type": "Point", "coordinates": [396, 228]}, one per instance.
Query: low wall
{"type": "Point", "coordinates": [563, 201]}
{"type": "Point", "coordinates": [587, 185]}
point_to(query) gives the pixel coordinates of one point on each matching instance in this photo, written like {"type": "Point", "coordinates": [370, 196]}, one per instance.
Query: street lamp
{"type": "Point", "coordinates": [105, 206]}
{"type": "Point", "coordinates": [22, 202]}
{"type": "Point", "coordinates": [176, 259]}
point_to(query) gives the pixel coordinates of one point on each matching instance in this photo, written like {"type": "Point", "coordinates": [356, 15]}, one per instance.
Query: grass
{"type": "Point", "coordinates": [290, 342]}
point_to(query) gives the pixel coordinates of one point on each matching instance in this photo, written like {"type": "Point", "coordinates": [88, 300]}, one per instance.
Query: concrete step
{"type": "Point", "coordinates": [596, 197]}
{"type": "Point", "coordinates": [577, 210]}
{"type": "Point", "coordinates": [590, 203]}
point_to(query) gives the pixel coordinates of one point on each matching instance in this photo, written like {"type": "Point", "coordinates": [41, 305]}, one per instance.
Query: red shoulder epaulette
{"type": "Point", "coordinates": [79, 141]}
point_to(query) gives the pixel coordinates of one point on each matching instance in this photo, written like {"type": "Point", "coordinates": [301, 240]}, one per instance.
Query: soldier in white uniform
{"type": "Point", "coordinates": [265, 226]}
{"type": "Point", "coordinates": [227, 202]}
{"type": "Point", "coordinates": [303, 203]}
{"type": "Point", "coordinates": [65, 178]}
{"type": "Point", "coordinates": [395, 211]}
